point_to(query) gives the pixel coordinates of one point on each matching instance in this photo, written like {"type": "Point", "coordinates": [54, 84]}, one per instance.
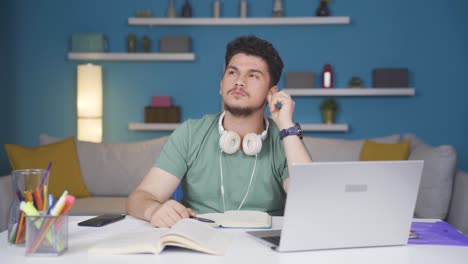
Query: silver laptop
{"type": "Point", "coordinates": [346, 205]}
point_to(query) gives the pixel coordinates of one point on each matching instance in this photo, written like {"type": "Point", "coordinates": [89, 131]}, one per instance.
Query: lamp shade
{"type": "Point", "coordinates": [89, 102]}
{"type": "Point", "coordinates": [90, 129]}
{"type": "Point", "coordinates": [89, 86]}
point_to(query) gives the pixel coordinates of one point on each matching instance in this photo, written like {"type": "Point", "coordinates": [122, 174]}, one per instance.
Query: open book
{"type": "Point", "coordinates": [239, 219]}
{"type": "Point", "coordinates": [186, 233]}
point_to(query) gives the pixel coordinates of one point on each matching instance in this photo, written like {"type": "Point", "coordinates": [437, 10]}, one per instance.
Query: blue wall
{"type": "Point", "coordinates": [428, 37]}
{"type": "Point", "coordinates": [7, 113]}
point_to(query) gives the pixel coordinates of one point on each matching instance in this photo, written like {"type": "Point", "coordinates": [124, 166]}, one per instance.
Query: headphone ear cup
{"type": "Point", "coordinates": [252, 144]}
{"type": "Point", "coordinates": [229, 142]}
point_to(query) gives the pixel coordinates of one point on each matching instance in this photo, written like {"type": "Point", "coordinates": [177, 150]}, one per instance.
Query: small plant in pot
{"type": "Point", "coordinates": [328, 108]}
{"type": "Point", "coordinates": [355, 82]}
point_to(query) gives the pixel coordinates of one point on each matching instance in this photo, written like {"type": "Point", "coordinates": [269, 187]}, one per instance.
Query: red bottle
{"type": "Point", "coordinates": [327, 76]}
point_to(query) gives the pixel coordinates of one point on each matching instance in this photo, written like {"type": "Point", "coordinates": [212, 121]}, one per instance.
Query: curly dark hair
{"type": "Point", "coordinates": [252, 45]}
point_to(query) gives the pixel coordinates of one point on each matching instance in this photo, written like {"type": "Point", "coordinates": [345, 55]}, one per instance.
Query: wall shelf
{"type": "Point", "coordinates": [324, 127]}
{"type": "Point", "coordinates": [173, 126]}
{"type": "Point", "coordinates": [125, 56]}
{"type": "Point", "coordinates": [153, 126]}
{"type": "Point", "coordinates": [351, 92]}
{"type": "Point", "coordinates": [257, 21]}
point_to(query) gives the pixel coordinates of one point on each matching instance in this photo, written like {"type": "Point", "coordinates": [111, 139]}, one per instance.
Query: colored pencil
{"type": "Point", "coordinates": [44, 196]}
{"type": "Point", "coordinates": [46, 174]}
{"type": "Point", "coordinates": [20, 227]}
{"type": "Point", "coordinates": [38, 196]}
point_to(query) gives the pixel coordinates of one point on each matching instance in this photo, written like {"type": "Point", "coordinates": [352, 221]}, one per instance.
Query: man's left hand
{"type": "Point", "coordinates": [283, 116]}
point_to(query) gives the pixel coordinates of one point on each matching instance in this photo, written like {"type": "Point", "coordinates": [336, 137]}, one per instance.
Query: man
{"type": "Point", "coordinates": [202, 154]}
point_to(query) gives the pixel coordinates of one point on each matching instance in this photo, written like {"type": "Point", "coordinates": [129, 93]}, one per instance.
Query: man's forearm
{"type": "Point", "coordinates": [142, 205]}
{"type": "Point", "coordinates": [295, 151]}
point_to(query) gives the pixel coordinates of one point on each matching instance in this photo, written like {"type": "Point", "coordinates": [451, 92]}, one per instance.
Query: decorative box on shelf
{"type": "Point", "coordinates": [299, 80]}
{"type": "Point", "coordinates": [390, 78]}
{"type": "Point", "coordinates": [89, 42]}
{"type": "Point", "coordinates": [175, 44]}
{"type": "Point", "coordinates": [161, 101]}
{"type": "Point", "coordinates": [170, 114]}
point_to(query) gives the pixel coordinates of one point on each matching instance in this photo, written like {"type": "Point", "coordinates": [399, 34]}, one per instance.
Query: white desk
{"type": "Point", "coordinates": [244, 249]}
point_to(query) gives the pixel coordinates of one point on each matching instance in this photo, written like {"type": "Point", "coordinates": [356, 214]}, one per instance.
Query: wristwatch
{"type": "Point", "coordinates": [294, 130]}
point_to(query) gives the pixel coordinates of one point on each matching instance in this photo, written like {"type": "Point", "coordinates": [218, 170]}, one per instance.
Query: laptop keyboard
{"type": "Point", "coordinates": [274, 239]}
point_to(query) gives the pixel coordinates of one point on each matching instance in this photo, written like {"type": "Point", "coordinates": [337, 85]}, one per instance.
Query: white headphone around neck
{"type": "Point", "coordinates": [229, 142]}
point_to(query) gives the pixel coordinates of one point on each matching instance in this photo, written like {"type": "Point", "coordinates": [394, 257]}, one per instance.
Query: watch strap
{"type": "Point", "coordinates": [294, 130]}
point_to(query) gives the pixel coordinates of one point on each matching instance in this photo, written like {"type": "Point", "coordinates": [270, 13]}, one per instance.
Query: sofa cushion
{"type": "Point", "coordinates": [372, 150]}
{"type": "Point", "coordinates": [65, 172]}
{"type": "Point", "coordinates": [458, 215]}
{"type": "Point", "coordinates": [435, 190]}
{"type": "Point", "coordinates": [330, 149]}
{"type": "Point", "coordinates": [114, 169]}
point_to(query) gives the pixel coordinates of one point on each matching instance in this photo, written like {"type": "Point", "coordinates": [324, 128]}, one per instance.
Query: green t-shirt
{"type": "Point", "coordinates": [192, 154]}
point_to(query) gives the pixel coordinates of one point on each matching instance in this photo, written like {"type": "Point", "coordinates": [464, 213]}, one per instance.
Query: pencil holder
{"type": "Point", "coordinates": [46, 235]}
{"type": "Point", "coordinates": [26, 185]}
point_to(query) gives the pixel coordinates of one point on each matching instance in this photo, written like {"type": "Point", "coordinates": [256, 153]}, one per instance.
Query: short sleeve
{"type": "Point", "coordinates": [174, 155]}
{"type": "Point", "coordinates": [284, 171]}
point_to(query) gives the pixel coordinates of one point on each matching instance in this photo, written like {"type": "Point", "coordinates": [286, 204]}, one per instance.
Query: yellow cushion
{"type": "Point", "coordinates": [372, 150]}
{"type": "Point", "coordinates": [65, 172]}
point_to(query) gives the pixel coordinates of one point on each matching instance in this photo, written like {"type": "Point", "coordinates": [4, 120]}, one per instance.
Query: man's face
{"type": "Point", "coordinates": [245, 85]}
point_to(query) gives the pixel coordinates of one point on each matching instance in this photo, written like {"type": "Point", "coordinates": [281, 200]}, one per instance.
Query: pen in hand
{"type": "Point", "coordinates": [202, 219]}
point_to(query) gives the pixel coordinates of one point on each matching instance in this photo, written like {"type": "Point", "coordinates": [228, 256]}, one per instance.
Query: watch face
{"type": "Point", "coordinates": [299, 130]}
{"type": "Point", "coordinates": [298, 127]}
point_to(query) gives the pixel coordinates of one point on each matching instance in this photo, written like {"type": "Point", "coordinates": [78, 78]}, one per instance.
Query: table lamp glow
{"type": "Point", "coordinates": [89, 102]}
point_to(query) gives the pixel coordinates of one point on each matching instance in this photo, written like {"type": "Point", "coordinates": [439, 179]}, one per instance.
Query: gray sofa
{"type": "Point", "coordinates": [112, 170]}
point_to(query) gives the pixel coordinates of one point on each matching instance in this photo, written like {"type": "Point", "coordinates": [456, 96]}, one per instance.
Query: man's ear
{"type": "Point", "coordinates": [273, 90]}
{"type": "Point", "coordinates": [220, 87]}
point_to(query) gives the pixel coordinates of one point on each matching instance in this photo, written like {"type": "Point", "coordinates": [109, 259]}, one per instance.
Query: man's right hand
{"type": "Point", "coordinates": [169, 213]}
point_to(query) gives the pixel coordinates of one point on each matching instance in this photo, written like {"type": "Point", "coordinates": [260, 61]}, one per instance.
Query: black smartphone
{"type": "Point", "coordinates": [102, 220]}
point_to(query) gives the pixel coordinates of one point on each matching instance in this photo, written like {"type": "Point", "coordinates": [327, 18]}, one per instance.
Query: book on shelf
{"type": "Point", "coordinates": [186, 233]}
{"type": "Point", "coordinates": [239, 219]}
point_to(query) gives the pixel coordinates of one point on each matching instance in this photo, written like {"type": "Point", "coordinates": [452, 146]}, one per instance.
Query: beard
{"type": "Point", "coordinates": [243, 111]}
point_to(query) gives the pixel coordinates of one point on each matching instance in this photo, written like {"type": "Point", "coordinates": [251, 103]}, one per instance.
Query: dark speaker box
{"type": "Point", "coordinates": [169, 114]}
{"type": "Point", "coordinates": [390, 78]}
